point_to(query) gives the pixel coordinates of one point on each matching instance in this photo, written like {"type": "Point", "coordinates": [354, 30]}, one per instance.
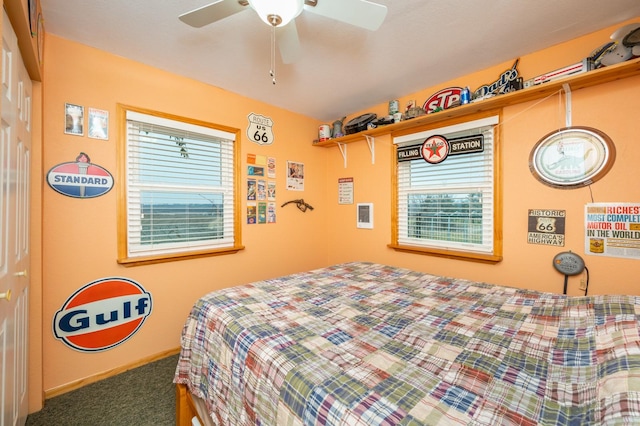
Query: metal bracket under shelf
{"type": "Point", "coordinates": [343, 151]}
{"type": "Point", "coordinates": [371, 143]}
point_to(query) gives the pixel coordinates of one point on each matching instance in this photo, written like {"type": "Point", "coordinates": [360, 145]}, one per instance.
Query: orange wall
{"type": "Point", "coordinates": [80, 235]}
{"type": "Point", "coordinates": [613, 108]}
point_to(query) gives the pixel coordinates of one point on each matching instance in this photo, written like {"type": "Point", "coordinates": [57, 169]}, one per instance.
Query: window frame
{"type": "Point", "coordinates": [476, 256]}
{"type": "Point", "coordinates": [124, 257]}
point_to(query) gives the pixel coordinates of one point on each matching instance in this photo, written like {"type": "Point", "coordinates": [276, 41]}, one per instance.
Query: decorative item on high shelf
{"type": "Point", "coordinates": [336, 131]}
{"type": "Point", "coordinates": [359, 123]}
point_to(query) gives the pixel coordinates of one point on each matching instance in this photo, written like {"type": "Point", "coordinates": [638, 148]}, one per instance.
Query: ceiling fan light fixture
{"type": "Point", "coordinates": [277, 13]}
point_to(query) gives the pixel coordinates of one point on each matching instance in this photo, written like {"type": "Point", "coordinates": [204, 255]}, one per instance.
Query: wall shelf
{"type": "Point", "coordinates": [575, 82]}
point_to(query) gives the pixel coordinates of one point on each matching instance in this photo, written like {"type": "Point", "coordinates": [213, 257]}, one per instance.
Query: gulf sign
{"type": "Point", "coordinates": [102, 314]}
{"type": "Point", "coordinates": [80, 178]}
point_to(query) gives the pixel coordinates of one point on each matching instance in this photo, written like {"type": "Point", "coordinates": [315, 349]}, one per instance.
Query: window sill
{"type": "Point", "coordinates": [149, 260]}
{"type": "Point", "coordinates": [450, 254]}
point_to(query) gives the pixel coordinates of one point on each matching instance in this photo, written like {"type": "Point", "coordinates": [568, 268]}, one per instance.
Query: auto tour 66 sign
{"type": "Point", "coordinates": [102, 314]}
{"type": "Point", "coordinates": [80, 178]}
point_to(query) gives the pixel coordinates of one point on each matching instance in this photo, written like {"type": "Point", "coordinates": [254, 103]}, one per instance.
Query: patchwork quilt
{"type": "Point", "coordinates": [364, 344]}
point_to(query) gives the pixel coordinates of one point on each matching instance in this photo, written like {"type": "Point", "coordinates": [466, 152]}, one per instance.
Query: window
{"type": "Point", "coordinates": [446, 199]}
{"type": "Point", "coordinates": [178, 188]}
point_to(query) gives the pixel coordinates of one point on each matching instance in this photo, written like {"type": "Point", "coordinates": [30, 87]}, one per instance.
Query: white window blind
{"type": "Point", "coordinates": [180, 186]}
{"type": "Point", "coordinates": [448, 205]}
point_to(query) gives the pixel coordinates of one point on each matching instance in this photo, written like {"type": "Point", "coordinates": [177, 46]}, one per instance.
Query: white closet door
{"type": "Point", "coordinates": [15, 165]}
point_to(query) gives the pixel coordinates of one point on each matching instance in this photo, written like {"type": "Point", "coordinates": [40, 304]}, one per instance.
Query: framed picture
{"type": "Point", "coordinates": [98, 124]}
{"type": "Point", "coordinates": [74, 119]}
{"type": "Point", "coordinates": [365, 215]}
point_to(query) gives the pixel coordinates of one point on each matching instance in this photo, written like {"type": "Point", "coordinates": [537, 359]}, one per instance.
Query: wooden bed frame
{"type": "Point", "coordinates": [185, 408]}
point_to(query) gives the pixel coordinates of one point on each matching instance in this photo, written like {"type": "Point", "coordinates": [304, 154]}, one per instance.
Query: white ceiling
{"type": "Point", "coordinates": [343, 69]}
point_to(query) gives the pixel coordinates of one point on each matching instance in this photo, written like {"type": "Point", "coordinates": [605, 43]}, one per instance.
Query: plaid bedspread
{"type": "Point", "coordinates": [363, 344]}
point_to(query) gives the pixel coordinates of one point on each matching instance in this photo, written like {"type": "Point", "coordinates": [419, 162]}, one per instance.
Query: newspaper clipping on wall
{"type": "Point", "coordinates": [612, 229]}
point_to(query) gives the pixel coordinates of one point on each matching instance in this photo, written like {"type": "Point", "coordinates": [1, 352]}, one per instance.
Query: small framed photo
{"type": "Point", "coordinates": [98, 124]}
{"type": "Point", "coordinates": [365, 215]}
{"type": "Point", "coordinates": [74, 119]}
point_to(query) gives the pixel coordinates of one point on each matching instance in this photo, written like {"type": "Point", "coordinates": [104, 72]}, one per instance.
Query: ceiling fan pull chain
{"type": "Point", "coordinates": [273, 54]}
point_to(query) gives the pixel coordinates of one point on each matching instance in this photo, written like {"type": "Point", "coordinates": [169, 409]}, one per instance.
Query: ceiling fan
{"type": "Point", "coordinates": [280, 14]}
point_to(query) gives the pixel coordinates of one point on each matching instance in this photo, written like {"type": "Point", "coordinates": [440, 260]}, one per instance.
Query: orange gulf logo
{"type": "Point", "coordinates": [102, 314]}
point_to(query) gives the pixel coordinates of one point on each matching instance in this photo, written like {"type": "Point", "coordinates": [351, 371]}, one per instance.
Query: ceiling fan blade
{"type": "Point", "coordinates": [361, 13]}
{"type": "Point", "coordinates": [288, 42]}
{"type": "Point", "coordinates": [211, 13]}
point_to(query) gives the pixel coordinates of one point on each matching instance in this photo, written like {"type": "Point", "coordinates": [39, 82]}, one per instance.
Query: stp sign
{"type": "Point", "coordinates": [102, 314]}
{"type": "Point", "coordinates": [442, 99]}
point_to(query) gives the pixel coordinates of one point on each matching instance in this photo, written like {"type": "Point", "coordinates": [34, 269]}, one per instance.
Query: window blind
{"type": "Point", "coordinates": [448, 205]}
{"type": "Point", "coordinates": [180, 186]}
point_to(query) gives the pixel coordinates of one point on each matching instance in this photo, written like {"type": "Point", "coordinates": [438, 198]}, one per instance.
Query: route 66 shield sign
{"type": "Point", "coordinates": [260, 129]}
{"type": "Point", "coordinates": [546, 224]}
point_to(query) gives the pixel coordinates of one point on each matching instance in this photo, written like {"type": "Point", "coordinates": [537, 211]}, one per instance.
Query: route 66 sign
{"type": "Point", "coordinates": [546, 227]}
{"type": "Point", "coordinates": [260, 129]}
{"type": "Point", "coordinates": [546, 224]}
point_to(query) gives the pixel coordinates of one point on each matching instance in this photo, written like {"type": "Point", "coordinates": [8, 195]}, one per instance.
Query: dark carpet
{"type": "Point", "coordinates": [141, 396]}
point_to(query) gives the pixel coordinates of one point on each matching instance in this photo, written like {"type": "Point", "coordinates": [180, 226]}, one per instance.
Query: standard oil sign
{"type": "Point", "coordinates": [80, 178]}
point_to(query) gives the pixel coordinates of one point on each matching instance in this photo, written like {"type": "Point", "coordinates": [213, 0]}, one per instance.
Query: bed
{"type": "Point", "coordinates": [364, 344]}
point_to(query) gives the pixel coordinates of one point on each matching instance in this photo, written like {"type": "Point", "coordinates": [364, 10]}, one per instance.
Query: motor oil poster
{"type": "Point", "coordinates": [612, 229]}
